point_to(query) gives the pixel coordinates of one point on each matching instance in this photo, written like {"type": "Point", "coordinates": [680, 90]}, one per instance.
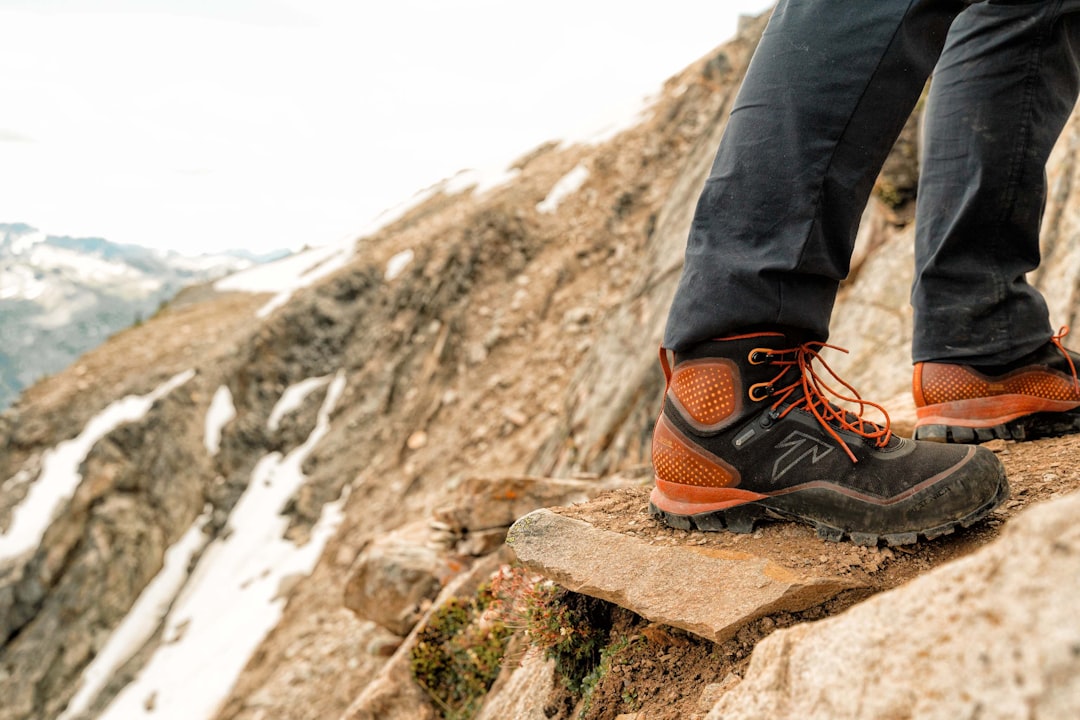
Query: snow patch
{"type": "Point", "coordinates": [397, 264]}
{"type": "Point", "coordinates": [60, 476]}
{"type": "Point", "coordinates": [215, 265]}
{"type": "Point", "coordinates": [567, 185]}
{"type": "Point", "coordinates": [222, 411]}
{"type": "Point", "coordinates": [233, 598]}
{"type": "Point", "coordinates": [25, 242]}
{"type": "Point", "coordinates": [81, 266]}
{"type": "Point", "coordinates": [479, 181]}
{"type": "Point", "coordinates": [396, 212]}
{"type": "Point", "coordinates": [23, 476]}
{"type": "Point", "coordinates": [292, 397]}
{"type": "Point", "coordinates": [290, 274]}
{"type": "Point", "coordinates": [620, 117]}
{"type": "Point", "coordinates": [139, 625]}
{"type": "Point", "coordinates": [19, 283]}
{"type": "Point", "coordinates": [61, 307]}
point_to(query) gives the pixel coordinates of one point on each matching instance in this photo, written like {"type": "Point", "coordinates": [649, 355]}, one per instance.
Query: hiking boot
{"type": "Point", "coordinates": [747, 432]}
{"type": "Point", "coordinates": [1035, 396]}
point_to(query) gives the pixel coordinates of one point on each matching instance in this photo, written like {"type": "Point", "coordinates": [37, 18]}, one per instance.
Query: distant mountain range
{"type": "Point", "coordinates": [61, 296]}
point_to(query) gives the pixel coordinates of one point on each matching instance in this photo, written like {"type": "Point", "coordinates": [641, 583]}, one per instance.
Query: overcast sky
{"type": "Point", "coordinates": [201, 125]}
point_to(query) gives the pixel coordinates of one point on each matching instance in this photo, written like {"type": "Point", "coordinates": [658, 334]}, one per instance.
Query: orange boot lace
{"type": "Point", "coordinates": [1056, 340]}
{"type": "Point", "coordinates": [811, 391]}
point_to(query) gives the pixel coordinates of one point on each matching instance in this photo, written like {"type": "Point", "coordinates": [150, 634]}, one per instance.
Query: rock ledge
{"type": "Point", "coordinates": [707, 591]}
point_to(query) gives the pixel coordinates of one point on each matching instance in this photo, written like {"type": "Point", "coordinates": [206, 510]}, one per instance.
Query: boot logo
{"type": "Point", "coordinates": [800, 447]}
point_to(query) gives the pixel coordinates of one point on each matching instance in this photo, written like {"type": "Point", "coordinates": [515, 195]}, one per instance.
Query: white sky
{"type": "Point", "coordinates": [202, 125]}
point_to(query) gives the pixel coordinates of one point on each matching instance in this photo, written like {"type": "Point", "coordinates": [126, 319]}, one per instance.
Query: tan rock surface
{"type": "Point", "coordinates": [521, 693]}
{"type": "Point", "coordinates": [711, 593]}
{"type": "Point", "coordinates": [993, 635]}
{"type": "Point", "coordinates": [482, 503]}
{"type": "Point", "coordinates": [396, 577]}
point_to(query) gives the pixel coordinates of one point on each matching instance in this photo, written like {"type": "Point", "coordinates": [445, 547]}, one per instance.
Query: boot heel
{"type": "Point", "coordinates": [738, 519]}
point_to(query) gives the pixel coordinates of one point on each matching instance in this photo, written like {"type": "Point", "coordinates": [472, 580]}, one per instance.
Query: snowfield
{"type": "Point", "coordinates": [233, 597]}
{"type": "Point", "coordinates": [211, 615]}
{"type": "Point", "coordinates": [60, 476]}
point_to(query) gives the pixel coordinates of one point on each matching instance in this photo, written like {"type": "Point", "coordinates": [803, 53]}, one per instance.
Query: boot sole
{"type": "Point", "coordinates": [742, 519]}
{"type": "Point", "coordinates": [1028, 427]}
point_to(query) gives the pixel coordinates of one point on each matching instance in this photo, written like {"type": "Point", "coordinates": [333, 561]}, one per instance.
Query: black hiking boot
{"type": "Point", "coordinates": [747, 433]}
{"type": "Point", "coordinates": [1035, 396]}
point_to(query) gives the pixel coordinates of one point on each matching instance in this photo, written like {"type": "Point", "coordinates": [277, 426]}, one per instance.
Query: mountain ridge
{"type": "Point", "coordinates": [61, 296]}
{"type": "Point", "coordinates": [484, 345]}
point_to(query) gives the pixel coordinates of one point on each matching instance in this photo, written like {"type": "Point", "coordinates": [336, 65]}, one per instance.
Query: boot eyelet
{"type": "Point", "coordinates": [760, 392]}
{"type": "Point", "coordinates": [759, 356]}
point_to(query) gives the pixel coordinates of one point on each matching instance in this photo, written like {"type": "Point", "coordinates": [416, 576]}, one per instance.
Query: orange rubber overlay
{"type": "Point", "coordinates": [676, 460]}
{"type": "Point", "coordinates": [954, 394]}
{"type": "Point", "coordinates": [686, 500]}
{"type": "Point", "coordinates": [988, 412]}
{"type": "Point", "coordinates": [707, 392]}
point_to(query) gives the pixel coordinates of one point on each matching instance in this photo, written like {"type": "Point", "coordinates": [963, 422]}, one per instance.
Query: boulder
{"type": "Point", "coordinates": [522, 693]}
{"type": "Point", "coordinates": [485, 503]}
{"type": "Point", "coordinates": [993, 635]}
{"type": "Point", "coordinates": [485, 508]}
{"type": "Point", "coordinates": [394, 579]}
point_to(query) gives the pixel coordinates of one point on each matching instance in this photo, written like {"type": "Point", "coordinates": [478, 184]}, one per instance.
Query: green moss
{"type": "Point", "coordinates": [891, 195]}
{"type": "Point", "coordinates": [582, 624]}
{"type": "Point", "coordinates": [458, 654]}
{"type": "Point", "coordinates": [603, 667]}
{"type": "Point", "coordinates": [567, 627]}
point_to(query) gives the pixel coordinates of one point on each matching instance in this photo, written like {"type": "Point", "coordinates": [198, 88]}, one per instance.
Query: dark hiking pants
{"type": "Point", "coordinates": [827, 93]}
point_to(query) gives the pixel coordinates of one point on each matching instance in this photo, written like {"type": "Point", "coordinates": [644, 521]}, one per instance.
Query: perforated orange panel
{"type": "Point", "coordinates": [706, 391]}
{"type": "Point", "coordinates": [943, 383]}
{"type": "Point", "coordinates": [676, 461]}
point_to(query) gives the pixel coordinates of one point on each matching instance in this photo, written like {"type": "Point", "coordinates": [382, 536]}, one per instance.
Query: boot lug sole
{"type": "Point", "coordinates": [1027, 427]}
{"type": "Point", "coordinates": [742, 519]}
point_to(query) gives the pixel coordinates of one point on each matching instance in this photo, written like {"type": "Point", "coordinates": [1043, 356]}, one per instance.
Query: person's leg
{"type": "Point", "coordinates": [826, 95]}
{"type": "Point", "coordinates": [985, 363]}
{"type": "Point", "coordinates": [747, 430]}
{"type": "Point", "coordinates": [1000, 96]}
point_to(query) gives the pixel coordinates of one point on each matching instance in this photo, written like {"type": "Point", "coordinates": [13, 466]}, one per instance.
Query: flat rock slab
{"type": "Point", "coordinates": [710, 592]}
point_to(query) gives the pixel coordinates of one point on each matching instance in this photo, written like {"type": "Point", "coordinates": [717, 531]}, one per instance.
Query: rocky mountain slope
{"type": "Point", "coordinates": [61, 296]}
{"type": "Point", "coordinates": [262, 501]}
